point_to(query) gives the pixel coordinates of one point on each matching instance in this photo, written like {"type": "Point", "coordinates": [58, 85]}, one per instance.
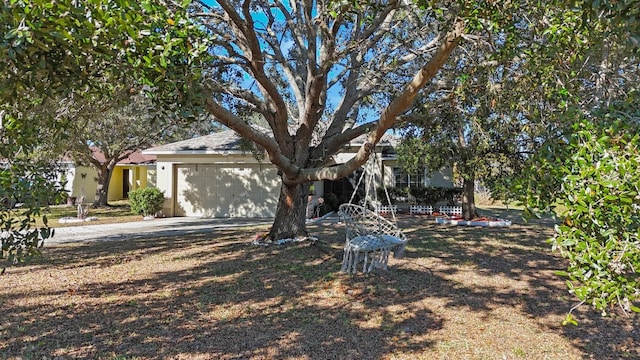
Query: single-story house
{"type": "Point", "coordinates": [212, 176]}
{"type": "Point", "coordinates": [135, 171]}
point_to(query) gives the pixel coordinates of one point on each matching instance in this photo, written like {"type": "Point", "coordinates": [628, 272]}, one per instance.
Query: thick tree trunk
{"type": "Point", "coordinates": [468, 199]}
{"type": "Point", "coordinates": [290, 221]}
{"type": "Point", "coordinates": [102, 190]}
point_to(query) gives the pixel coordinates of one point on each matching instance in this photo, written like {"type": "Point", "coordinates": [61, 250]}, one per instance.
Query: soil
{"type": "Point", "coordinates": [459, 293]}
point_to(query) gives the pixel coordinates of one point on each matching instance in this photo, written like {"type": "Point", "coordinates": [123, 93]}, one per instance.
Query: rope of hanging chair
{"type": "Point", "coordinates": [355, 190]}
{"type": "Point", "coordinates": [373, 158]}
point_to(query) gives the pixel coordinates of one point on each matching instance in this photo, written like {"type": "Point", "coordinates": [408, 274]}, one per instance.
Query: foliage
{"type": "Point", "coordinates": [117, 126]}
{"type": "Point", "coordinates": [601, 234]}
{"type": "Point", "coordinates": [25, 188]}
{"type": "Point", "coordinates": [396, 194]}
{"type": "Point", "coordinates": [593, 172]}
{"type": "Point", "coordinates": [429, 195]}
{"type": "Point", "coordinates": [58, 50]}
{"type": "Point", "coordinates": [146, 201]}
{"type": "Point", "coordinates": [317, 75]}
{"type": "Point", "coordinates": [624, 14]}
{"type": "Point", "coordinates": [432, 195]}
{"type": "Point", "coordinates": [332, 201]}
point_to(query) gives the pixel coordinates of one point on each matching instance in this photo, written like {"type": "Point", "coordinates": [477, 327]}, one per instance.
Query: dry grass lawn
{"type": "Point", "coordinates": [460, 293]}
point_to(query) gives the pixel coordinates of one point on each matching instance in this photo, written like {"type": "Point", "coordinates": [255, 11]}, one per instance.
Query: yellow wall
{"type": "Point", "coordinates": [115, 185]}
{"type": "Point", "coordinates": [137, 179]}
{"type": "Point", "coordinates": [82, 180]}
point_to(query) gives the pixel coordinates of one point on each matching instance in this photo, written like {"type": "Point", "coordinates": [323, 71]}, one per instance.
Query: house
{"type": "Point", "coordinates": [135, 171]}
{"type": "Point", "coordinates": [212, 176]}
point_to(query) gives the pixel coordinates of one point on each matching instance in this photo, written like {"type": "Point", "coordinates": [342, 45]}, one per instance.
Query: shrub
{"type": "Point", "coordinates": [593, 173]}
{"type": "Point", "coordinates": [146, 201]}
{"type": "Point", "coordinates": [332, 201]}
{"type": "Point", "coordinates": [423, 195]}
{"type": "Point", "coordinates": [600, 236]}
{"type": "Point", "coordinates": [395, 194]}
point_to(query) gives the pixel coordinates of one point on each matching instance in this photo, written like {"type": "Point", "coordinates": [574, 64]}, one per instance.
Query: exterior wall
{"type": "Point", "coordinates": [115, 184]}
{"type": "Point", "coordinates": [165, 174]}
{"type": "Point", "coordinates": [152, 176]}
{"type": "Point", "coordinates": [137, 179]}
{"type": "Point", "coordinates": [388, 177]}
{"type": "Point", "coordinates": [165, 182]}
{"type": "Point", "coordinates": [443, 178]}
{"type": "Point", "coordinates": [83, 182]}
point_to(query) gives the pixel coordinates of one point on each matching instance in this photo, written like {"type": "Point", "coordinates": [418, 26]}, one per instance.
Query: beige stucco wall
{"type": "Point", "coordinates": [443, 178]}
{"type": "Point", "coordinates": [83, 182]}
{"type": "Point", "coordinates": [164, 173]}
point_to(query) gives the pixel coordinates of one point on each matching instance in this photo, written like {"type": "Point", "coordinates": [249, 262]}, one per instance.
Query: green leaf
{"type": "Point", "coordinates": [569, 320]}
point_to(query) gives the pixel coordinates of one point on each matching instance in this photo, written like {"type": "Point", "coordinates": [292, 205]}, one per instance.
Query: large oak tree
{"type": "Point", "coordinates": [322, 73]}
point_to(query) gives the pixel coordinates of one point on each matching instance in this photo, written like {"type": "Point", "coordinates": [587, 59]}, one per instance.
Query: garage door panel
{"type": "Point", "coordinates": [223, 191]}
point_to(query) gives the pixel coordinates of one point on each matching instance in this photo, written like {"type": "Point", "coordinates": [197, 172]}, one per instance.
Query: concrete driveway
{"type": "Point", "coordinates": [147, 229]}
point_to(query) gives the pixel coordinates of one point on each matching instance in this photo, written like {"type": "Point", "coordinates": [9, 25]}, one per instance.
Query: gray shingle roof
{"type": "Point", "coordinates": [224, 141]}
{"type": "Point", "coordinates": [229, 141]}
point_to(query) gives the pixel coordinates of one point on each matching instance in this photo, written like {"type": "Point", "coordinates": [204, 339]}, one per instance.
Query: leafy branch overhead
{"type": "Point", "coordinates": [53, 54]}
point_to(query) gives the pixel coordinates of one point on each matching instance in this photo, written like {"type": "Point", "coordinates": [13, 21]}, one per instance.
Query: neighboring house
{"type": "Point", "coordinates": [135, 171]}
{"type": "Point", "coordinates": [211, 176]}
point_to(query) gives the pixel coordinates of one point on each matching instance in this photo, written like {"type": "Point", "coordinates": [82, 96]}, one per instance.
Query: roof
{"type": "Point", "coordinates": [220, 142]}
{"type": "Point", "coordinates": [136, 157]}
{"type": "Point", "coordinates": [229, 141]}
{"type": "Point", "coordinates": [386, 140]}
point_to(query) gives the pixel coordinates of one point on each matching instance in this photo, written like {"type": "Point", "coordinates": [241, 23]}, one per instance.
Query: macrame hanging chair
{"type": "Point", "coordinates": [370, 237]}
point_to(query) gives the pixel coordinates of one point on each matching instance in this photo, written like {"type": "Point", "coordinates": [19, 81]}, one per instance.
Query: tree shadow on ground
{"type": "Point", "coordinates": [237, 301]}
{"type": "Point", "coordinates": [217, 296]}
{"type": "Point", "coordinates": [521, 253]}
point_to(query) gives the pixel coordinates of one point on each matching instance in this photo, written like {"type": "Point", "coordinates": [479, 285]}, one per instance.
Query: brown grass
{"type": "Point", "coordinates": [116, 212]}
{"type": "Point", "coordinates": [460, 293]}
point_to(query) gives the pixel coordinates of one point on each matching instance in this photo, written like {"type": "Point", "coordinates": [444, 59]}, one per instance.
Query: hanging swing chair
{"type": "Point", "coordinates": [370, 237]}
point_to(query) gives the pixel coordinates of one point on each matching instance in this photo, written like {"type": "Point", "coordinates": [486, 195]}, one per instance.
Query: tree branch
{"type": "Point", "coordinates": [392, 111]}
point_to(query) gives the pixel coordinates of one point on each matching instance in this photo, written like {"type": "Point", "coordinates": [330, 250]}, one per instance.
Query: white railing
{"type": "Point", "coordinates": [451, 210]}
{"type": "Point", "coordinates": [386, 209]}
{"type": "Point", "coordinates": [420, 209]}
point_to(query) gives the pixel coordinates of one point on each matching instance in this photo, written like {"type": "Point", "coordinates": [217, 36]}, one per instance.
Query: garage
{"type": "Point", "coordinates": [209, 190]}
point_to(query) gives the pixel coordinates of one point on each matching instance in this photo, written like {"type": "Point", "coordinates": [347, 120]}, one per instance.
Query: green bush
{"type": "Point", "coordinates": [594, 174]}
{"type": "Point", "coordinates": [430, 195]}
{"type": "Point", "coordinates": [395, 194]}
{"type": "Point", "coordinates": [146, 201]}
{"type": "Point", "coordinates": [600, 236]}
{"type": "Point", "coordinates": [332, 201]}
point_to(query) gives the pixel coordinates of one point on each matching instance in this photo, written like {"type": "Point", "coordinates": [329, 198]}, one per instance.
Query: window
{"type": "Point", "coordinates": [403, 179]}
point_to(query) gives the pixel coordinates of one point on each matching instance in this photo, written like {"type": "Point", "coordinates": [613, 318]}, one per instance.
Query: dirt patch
{"type": "Point", "coordinates": [460, 293]}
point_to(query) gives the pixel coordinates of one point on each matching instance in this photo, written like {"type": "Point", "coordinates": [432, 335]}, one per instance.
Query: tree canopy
{"type": "Point", "coordinates": [49, 50]}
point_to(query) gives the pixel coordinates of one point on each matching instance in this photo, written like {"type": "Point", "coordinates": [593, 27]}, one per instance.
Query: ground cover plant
{"type": "Point", "coordinates": [460, 293]}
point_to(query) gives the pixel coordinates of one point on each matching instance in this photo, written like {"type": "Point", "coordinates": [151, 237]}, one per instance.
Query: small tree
{"type": "Point", "coordinates": [146, 201]}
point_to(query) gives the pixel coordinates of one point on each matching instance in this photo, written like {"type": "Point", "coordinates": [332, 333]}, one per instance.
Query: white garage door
{"type": "Point", "coordinates": [224, 191]}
